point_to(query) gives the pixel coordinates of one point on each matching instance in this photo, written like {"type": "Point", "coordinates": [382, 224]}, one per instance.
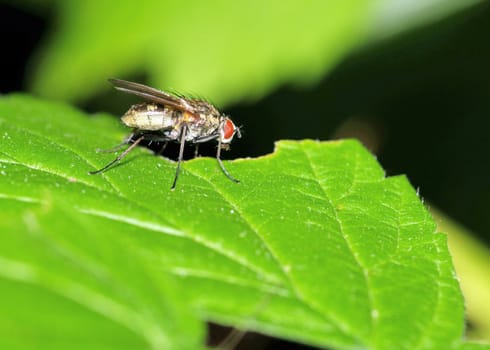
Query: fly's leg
{"type": "Point", "coordinates": [232, 339]}
{"type": "Point", "coordinates": [119, 157]}
{"type": "Point", "coordinates": [181, 155]}
{"type": "Point", "coordinates": [236, 334]}
{"type": "Point", "coordinates": [160, 152]}
{"type": "Point", "coordinates": [218, 157]}
{"type": "Point", "coordinates": [196, 150]}
{"type": "Point", "coordinates": [116, 148]}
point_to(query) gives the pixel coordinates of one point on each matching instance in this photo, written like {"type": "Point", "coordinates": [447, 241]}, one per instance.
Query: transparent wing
{"type": "Point", "coordinates": [153, 95]}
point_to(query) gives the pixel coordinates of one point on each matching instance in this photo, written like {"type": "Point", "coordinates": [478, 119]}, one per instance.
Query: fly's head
{"type": "Point", "coordinates": [227, 130]}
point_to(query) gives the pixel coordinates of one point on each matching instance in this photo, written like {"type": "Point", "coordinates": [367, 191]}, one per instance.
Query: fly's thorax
{"type": "Point", "coordinates": [201, 126]}
{"type": "Point", "coordinates": [149, 116]}
{"type": "Point", "coordinates": [204, 108]}
{"type": "Point", "coordinates": [204, 122]}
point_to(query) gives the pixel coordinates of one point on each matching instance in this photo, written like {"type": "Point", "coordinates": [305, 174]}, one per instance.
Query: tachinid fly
{"type": "Point", "coordinates": [165, 117]}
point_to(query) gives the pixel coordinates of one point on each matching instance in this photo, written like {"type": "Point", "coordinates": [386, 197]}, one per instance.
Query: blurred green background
{"type": "Point", "coordinates": [410, 79]}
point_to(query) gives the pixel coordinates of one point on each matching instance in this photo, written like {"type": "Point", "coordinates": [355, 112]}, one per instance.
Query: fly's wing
{"type": "Point", "coordinates": [152, 94]}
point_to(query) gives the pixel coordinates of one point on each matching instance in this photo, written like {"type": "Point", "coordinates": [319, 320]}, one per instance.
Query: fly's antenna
{"type": "Point", "coordinates": [239, 131]}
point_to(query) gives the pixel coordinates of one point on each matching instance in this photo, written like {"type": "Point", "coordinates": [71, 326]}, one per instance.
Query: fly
{"type": "Point", "coordinates": [168, 118]}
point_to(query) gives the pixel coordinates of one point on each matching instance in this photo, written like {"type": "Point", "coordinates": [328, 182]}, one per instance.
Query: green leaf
{"type": "Point", "coordinates": [223, 49]}
{"type": "Point", "coordinates": [473, 346]}
{"type": "Point", "coordinates": [67, 282]}
{"type": "Point", "coordinates": [315, 244]}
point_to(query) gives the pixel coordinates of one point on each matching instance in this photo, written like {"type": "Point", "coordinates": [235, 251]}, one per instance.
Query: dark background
{"type": "Point", "coordinates": [420, 102]}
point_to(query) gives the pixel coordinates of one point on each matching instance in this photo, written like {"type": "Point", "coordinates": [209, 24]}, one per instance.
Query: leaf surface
{"type": "Point", "coordinates": [315, 244]}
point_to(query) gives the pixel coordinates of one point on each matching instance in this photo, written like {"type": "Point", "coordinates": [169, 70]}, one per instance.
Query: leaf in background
{"type": "Point", "coordinates": [314, 244]}
{"type": "Point", "coordinates": [224, 50]}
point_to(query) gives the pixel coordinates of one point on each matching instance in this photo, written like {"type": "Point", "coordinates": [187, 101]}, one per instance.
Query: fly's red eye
{"type": "Point", "coordinates": [228, 131]}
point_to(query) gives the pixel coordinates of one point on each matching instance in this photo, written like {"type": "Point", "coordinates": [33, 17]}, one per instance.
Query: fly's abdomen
{"type": "Point", "coordinates": [149, 116]}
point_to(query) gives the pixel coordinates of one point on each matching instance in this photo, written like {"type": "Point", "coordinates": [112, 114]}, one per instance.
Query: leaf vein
{"type": "Point", "coordinates": [346, 238]}
{"type": "Point", "coordinates": [67, 148]}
